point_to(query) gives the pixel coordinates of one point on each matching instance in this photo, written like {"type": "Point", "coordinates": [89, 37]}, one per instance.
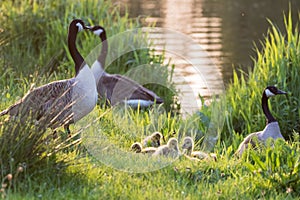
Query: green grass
{"type": "Point", "coordinates": [64, 169]}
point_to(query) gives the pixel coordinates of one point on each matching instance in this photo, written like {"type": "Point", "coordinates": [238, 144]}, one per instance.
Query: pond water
{"type": "Point", "coordinates": [223, 34]}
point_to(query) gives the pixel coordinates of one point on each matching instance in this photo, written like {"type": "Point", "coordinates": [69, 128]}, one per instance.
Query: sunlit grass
{"type": "Point", "coordinates": [34, 51]}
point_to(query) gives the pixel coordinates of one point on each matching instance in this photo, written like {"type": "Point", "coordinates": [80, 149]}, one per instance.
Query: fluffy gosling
{"type": "Point", "coordinates": [188, 147]}
{"type": "Point", "coordinates": [154, 140]}
{"type": "Point", "coordinates": [137, 148]}
{"type": "Point", "coordinates": [169, 150]}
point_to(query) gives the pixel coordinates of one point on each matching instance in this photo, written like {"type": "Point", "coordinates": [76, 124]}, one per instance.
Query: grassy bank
{"type": "Point", "coordinates": [33, 47]}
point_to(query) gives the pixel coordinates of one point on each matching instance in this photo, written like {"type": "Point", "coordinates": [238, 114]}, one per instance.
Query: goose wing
{"type": "Point", "coordinates": [50, 98]}
{"type": "Point", "coordinates": [118, 88]}
{"type": "Point", "coordinates": [248, 140]}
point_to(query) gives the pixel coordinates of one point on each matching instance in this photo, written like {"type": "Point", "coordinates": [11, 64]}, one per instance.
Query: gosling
{"type": "Point", "coordinates": [169, 150]}
{"type": "Point", "coordinates": [137, 148]}
{"type": "Point", "coordinates": [188, 149]}
{"type": "Point", "coordinates": [153, 140]}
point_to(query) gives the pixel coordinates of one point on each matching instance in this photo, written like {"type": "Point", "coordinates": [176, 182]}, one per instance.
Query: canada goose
{"type": "Point", "coordinates": [169, 150]}
{"type": "Point", "coordinates": [153, 140]}
{"type": "Point", "coordinates": [272, 129]}
{"type": "Point", "coordinates": [137, 148]}
{"type": "Point", "coordinates": [65, 101]}
{"type": "Point", "coordinates": [117, 88]}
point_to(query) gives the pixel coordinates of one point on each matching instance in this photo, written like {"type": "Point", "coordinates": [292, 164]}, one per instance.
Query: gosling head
{"type": "Point", "coordinates": [155, 138]}
{"type": "Point", "coordinates": [188, 144]}
{"type": "Point", "coordinates": [136, 147]}
{"type": "Point", "coordinates": [272, 91]}
{"type": "Point", "coordinates": [173, 144]}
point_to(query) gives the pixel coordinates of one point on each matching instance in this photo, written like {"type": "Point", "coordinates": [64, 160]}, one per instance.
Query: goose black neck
{"type": "Point", "coordinates": [77, 58]}
{"type": "Point", "coordinates": [266, 110]}
{"type": "Point", "coordinates": [103, 53]}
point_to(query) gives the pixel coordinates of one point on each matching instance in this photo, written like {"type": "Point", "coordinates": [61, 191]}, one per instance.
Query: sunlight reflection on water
{"type": "Point", "coordinates": [226, 30]}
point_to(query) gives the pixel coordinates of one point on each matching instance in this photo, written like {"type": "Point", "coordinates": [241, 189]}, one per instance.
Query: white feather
{"type": "Point", "coordinates": [98, 32]}
{"type": "Point", "coordinates": [84, 93]}
{"type": "Point", "coordinates": [80, 27]}
{"type": "Point", "coordinates": [97, 70]}
{"type": "Point", "coordinates": [269, 93]}
{"type": "Point", "coordinates": [135, 102]}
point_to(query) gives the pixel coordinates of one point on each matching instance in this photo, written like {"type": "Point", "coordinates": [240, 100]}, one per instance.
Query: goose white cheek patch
{"type": "Point", "coordinates": [269, 93]}
{"type": "Point", "coordinates": [98, 32]}
{"type": "Point", "coordinates": [80, 27]}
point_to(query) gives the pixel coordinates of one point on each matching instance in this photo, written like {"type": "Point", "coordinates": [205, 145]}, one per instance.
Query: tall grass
{"type": "Point", "coordinates": [277, 64]}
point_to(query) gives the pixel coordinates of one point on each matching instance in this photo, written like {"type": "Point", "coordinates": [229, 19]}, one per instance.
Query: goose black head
{"type": "Point", "coordinates": [99, 31]}
{"type": "Point", "coordinates": [272, 91]}
{"type": "Point", "coordinates": [79, 24]}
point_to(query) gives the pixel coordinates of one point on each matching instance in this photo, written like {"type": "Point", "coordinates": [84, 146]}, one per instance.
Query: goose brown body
{"type": "Point", "coordinates": [120, 89]}
{"type": "Point", "coordinates": [60, 102]}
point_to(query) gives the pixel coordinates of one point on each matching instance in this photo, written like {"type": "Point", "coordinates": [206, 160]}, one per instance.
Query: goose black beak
{"type": "Point", "coordinates": [281, 92]}
{"type": "Point", "coordinates": [87, 27]}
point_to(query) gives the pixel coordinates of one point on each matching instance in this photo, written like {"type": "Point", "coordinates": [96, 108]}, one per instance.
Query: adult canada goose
{"type": "Point", "coordinates": [169, 150]}
{"type": "Point", "coordinates": [137, 148]}
{"type": "Point", "coordinates": [153, 140]}
{"type": "Point", "coordinates": [116, 88]}
{"type": "Point", "coordinates": [61, 102]}
{"type": "Point", "coordinates": [271, 130]}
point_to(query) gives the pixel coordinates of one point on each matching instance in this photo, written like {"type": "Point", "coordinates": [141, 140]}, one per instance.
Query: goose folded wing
{"type": "Point", "coordinates": [119, 88]}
